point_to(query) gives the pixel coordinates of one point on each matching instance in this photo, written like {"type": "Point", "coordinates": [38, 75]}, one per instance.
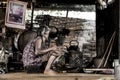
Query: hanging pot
{"type": "Point", "coordinates": [73, 45]}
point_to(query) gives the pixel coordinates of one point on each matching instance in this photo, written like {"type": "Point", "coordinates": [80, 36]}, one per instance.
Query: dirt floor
{"type": "Point", "coordinates": [63, 76]}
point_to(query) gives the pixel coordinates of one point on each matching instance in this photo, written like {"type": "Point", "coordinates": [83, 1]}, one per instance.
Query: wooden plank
{"type": "Point", "coordinates": [98, 69]}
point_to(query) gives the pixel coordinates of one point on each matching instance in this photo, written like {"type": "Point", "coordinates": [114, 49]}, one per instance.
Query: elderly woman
{"type": "Point", "coordinates": [37, 51]}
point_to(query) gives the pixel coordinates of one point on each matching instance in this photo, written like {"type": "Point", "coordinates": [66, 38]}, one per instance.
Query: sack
{"type": "Point", "coordinates": [3, 61]}
{"type": "Point", "coordinates": [75, 59]}
{"type": "Point", "coordinates": [59, 63]}
{"type": "Point", "coordinates": [3, 57]}
{"type": "Point", "coordinates": [70, 62]}
{"type": "Point", "coordinates": [75, 56]}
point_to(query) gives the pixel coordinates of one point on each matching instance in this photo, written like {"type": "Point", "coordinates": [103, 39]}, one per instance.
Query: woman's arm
{"type": "Point", "coordinates": [38, 48]}
{"type": "Point", "coordinates": [46, 50]}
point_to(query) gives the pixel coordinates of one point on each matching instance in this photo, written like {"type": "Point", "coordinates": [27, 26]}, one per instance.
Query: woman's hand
{"type": "Point", "coordinates": [54, 48]}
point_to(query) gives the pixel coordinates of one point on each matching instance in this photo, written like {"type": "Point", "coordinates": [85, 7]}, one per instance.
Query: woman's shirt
{"type": "Point", "coordinates": [29, 56]}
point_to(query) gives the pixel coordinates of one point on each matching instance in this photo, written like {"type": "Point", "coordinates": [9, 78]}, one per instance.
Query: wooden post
{"type": "Point", "coordinates": [117, 67]}
{"type": "Point", "coordinates": [119, 31]}
{"type": "Point", "coordinates": [32, 13]}
{"type": "Point", "coordinates": [3, 31]}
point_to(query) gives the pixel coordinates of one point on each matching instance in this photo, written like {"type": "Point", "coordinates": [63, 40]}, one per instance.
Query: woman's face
{"type": "Point", "coordinates": [45, 33]}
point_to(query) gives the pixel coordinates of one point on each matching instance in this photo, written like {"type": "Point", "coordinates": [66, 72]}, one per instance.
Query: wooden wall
{"type": "Point", "coordinates": [107, 21]}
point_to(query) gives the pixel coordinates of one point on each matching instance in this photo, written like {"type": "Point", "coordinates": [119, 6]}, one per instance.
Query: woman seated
{"type": "Point", "coordinates": [37, 51]}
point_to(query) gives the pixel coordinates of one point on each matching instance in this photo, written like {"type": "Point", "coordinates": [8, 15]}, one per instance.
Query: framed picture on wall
{"type": "Point", "coordinates": [15, 14]}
